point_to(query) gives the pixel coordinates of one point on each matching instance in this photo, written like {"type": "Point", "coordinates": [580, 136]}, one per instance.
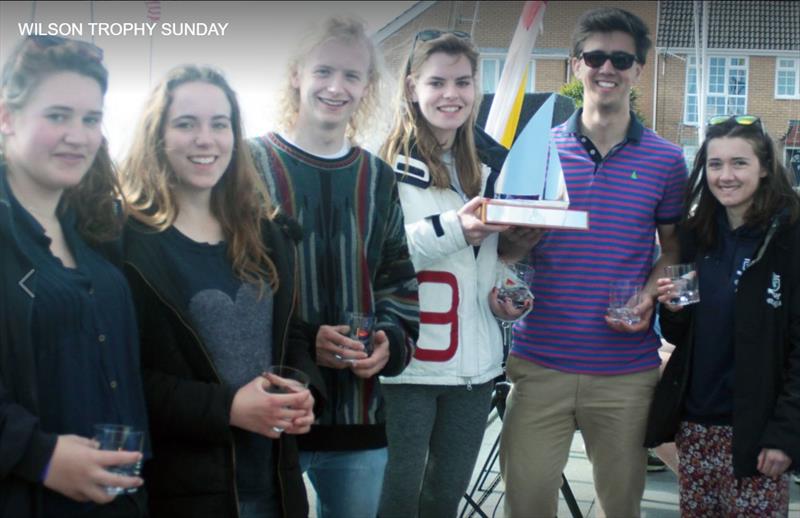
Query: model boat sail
{"type": "Point", "coordinates": [531, 190]}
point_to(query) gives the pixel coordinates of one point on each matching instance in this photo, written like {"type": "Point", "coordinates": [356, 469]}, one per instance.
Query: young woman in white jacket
{"type": "Point", "coordinates": [437, 408]}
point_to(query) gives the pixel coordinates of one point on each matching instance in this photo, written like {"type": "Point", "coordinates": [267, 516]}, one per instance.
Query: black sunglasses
{"type": "Point", "coordinates": [432, 34]}
{"type": "Point", "coordinates": [620, 60]}
{"type": "Point", "coordinates": [84, 48]}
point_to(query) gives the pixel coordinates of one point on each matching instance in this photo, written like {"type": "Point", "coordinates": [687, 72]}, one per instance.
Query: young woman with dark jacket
{"type": "Point", "coordinates": [213, 278]}
{"type": "Point", "coordinates": [69, 350]}
{"type": "Point", "coordinates": [730, 394]}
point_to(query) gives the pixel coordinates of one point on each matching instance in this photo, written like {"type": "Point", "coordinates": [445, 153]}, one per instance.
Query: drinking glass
{"type": "Point", "coordinates": [361, 325]}
{"type": "Point", "coordinates": [284, 380]}
{"type": "Point", "coordinates": [513, 281]}
{"type": "Point", "coordinates": [684, 278]}
{"type": "Point", "coordinates": [623, 297]}
{"type": "Point", "coordinates": [116, 437]}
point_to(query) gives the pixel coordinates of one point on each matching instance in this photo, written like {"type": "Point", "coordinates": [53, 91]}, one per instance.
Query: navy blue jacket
{"type": "Point", "coordinates": [25, 449]}
{"type": "Point", "coordinates": [766, 408]}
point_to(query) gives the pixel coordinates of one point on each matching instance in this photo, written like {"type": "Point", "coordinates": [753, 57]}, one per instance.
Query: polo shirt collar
{"type": "Point", "coordinates": [635, 128]}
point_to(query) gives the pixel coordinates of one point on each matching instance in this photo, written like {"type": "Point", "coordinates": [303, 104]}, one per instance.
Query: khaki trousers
{"type": "Point", "coordinates": [544, 409]}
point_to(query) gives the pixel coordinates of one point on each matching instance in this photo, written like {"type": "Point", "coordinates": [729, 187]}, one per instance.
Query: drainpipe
{"type": "Point", "coordinates": [655, 69]}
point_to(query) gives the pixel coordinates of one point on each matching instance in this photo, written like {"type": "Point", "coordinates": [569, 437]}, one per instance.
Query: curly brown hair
{"type": "Point", "coordinates": [96, 200]}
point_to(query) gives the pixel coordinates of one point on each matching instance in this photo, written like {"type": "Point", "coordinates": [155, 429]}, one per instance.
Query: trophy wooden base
{"type": "Point", "coordinates": [533, 214]}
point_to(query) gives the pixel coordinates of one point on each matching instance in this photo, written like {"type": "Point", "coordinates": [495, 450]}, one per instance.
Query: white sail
{"type": "Point", "coordinates": [531, 189]}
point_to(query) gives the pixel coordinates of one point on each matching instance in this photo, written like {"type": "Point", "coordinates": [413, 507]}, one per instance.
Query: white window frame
{"type": "Point", "coordinates": [690, 64]}
{"type": "Point", "coordinates": [796, 69]}
{"type": "Point", "coordinates": [501, 58]}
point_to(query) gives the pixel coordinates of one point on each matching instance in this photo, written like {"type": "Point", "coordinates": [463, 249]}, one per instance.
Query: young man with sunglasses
{"type": "Point", "coordinates": [353, 258]}
{"type": "Point", "coordinates": [572, 367]}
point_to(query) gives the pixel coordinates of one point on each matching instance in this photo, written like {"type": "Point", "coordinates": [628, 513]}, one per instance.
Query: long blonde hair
{"type": "Point", "coordinates": [348, 30]}
{"type": "Point", "coordinates": [410, 125]}
{"type": "Point", "coordinates": [239, 200]}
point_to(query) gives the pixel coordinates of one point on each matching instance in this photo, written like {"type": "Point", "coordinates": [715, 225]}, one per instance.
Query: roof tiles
{"type": "Point", "coordinates": [753, 24]}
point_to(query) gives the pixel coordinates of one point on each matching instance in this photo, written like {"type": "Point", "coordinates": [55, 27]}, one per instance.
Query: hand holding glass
{"type": "Point", "coordinates": [361, 327]}
{"type": "Point", "coordinates": [623, 297]}
{"type": "Point", "coordinates": [284, 380]}
{"type": "Point", "coordinates": [685, 285]}
{"type": "Point", "coordinates": [513, 283]}
{"type": "Point", "coordinates": [115, 437]}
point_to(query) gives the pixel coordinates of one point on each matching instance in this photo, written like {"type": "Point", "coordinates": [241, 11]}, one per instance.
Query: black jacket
{"type": "Point", "coordinates": [24, 449]}
{"type": "Point", "coordinates": [192, 473]}
{"type": "Point", "coordinates": [767, 354]}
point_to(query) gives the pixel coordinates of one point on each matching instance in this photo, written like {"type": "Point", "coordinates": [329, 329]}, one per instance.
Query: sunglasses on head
{"type": "Point", "coordinates": [596, 58]}
{"type": "Point", "coordinates": [741, 120]}
{"type": "Point", "coordinates": [84, 48]}
{"type": "Point", "coordinates": [432, 34]}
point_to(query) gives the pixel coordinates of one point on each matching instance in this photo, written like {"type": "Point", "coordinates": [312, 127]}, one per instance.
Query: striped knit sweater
{"type": "Point", "coordinates": [353, 257]}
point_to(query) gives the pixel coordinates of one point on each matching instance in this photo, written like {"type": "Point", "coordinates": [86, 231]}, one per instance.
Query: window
{"type": "Point", "coordinates": [492, 68]}
{"type": "Point", "coordinates": [787, 78]}
{"type": "Point", "coordinates": [726, 87]}
{"type": "Point", "coordinates": [792, 162]}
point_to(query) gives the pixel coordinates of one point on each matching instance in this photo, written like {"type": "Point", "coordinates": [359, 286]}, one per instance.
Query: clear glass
{"type": "Point", "coordinates": [280, 379]}
{"type": "Point", "coordinates": [513, 282]}
{"type": "Point", "coordinates": [684, 279]}
{"type": "Point", "coordinates": [361, 328]}
{"type": "Point", "coordinates": [623, 297]}
{"type": "Point", "coordinates": [117, 437]}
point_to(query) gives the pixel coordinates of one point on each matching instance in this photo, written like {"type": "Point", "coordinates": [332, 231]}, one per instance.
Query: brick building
{"type": "Point", "coordinates": [753, 58]}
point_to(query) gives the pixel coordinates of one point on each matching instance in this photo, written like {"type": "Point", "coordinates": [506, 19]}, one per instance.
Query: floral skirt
{"type": "Point", "coordinates": [707, 485]}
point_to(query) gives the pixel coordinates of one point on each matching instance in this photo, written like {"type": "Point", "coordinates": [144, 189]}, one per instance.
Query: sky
{"type": "Point", "coordinates": [252, 52]}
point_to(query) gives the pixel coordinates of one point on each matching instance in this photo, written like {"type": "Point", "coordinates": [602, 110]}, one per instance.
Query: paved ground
{"type": "Point", "coordinates": [660, 496]}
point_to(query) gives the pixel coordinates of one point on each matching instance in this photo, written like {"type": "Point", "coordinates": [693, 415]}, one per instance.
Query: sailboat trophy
{"type": "Point", "coordinates": [531, 190]}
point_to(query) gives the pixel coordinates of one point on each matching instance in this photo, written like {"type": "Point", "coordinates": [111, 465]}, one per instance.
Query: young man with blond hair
{"type": "Point", "coordinates": [353, 257]}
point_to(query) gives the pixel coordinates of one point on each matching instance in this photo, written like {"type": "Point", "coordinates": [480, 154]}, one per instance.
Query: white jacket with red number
{"type": "Point", "coordinates": [460, 342]}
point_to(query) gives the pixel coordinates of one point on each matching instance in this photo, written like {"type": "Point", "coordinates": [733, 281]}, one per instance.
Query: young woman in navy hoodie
{"type": "Point", "coordinates": [730, 394]}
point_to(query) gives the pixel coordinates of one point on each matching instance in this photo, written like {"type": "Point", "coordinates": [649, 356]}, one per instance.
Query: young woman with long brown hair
{"type": "Point", "coordinates": [213, 276]}
{"type": "Point", "coordinates": [730, 394]}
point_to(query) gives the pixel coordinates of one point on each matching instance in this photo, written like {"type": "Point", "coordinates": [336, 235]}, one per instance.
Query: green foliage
{"type": "Point", "coordinates": [574, 90]}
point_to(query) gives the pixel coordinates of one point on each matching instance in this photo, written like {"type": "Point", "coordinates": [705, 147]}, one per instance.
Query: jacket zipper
{"type": "Point", "coordinates": [770, 233]}
{"type": "Point", "coordinates": [210, 363]}
{"type": "Point", "coordinates": [761, 249]}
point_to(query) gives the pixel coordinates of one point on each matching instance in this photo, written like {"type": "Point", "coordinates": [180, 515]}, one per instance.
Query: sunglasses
{"type": "Point", "coordinates": [741, 120]}
{"type": "Point", "coordinates": [84, 48]}
{"type": "Point", "coordinates": [432, 34]}
{"type": "Point", "coordinates": [596, 59]}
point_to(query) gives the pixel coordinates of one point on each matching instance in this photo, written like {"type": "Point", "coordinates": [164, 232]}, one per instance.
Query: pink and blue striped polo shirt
{"type": "Point", "coordinates": [638, 185]}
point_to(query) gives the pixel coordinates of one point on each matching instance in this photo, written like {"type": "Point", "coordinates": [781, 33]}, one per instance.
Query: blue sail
{"type": "Point", "coordinates": [532, 170]}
